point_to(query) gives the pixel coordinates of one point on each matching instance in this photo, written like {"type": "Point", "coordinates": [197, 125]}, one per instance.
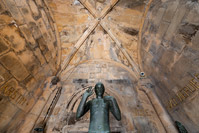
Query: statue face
{"type": "Point", "coordinates": [99, 89]}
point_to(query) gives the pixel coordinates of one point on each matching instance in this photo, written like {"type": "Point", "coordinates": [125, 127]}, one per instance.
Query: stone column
{"type": "Point", "coordinates": [147, 87]}
{"type": "Point", "coordinates": [37, 109]}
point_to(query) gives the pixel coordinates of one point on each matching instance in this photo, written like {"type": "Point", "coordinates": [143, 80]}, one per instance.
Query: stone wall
{"type": "Point", "coordinates": [138, 115]}
{"type": "Point", "coordinates": [29, 53]}
{"type": "Point", "coordinates": [169, 55]}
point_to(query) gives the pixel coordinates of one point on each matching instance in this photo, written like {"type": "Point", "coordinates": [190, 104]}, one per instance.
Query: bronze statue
{"type": "Point", "coordinates": [180, 127]}
{"type": "Point", "coordinates": [99, 109]}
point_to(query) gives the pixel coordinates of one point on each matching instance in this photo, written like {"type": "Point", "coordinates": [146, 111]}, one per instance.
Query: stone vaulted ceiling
{"type": "Point", "coordinates": [82, 42]}
{"type": "Point", "coordinates": [98, 29]}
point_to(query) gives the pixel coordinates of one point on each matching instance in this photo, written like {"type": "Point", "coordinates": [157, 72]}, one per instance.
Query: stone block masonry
{"type": "Point", "coordinates": [13, 94]}
{"type": "Point", "coordinates": [3, 46]}
{"type": "Point", "coordinates": [17, 69]}
{"type": "Point", "coordinates": [28, 55]}
{"type": "Point", "coordinates": [173, 63]}
{"type": "Point", "coordinates": [182, 94]}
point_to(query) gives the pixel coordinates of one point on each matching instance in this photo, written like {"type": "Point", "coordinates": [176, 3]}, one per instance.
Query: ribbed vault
{"type": "Point", "coordinates": [95, 30]}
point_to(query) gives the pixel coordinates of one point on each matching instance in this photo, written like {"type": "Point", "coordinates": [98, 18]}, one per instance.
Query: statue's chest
{"type": "Point", "coordinates": [99, 104]}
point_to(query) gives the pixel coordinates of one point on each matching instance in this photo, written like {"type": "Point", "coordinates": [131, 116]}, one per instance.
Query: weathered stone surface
{"type": "Point", "coordinates": [42, 26]}
{"type": "Point", "coordinates": [175, 22]}
{"type": "Point", "coordinates": [39, 3]}
{"type": "Point", "coordinates": [192, 17]}
{"type": "Point", "coordinates": [157, 19]}
{"type": "Point", "coordinates": [40, 75]}
{"type": "Point", "coordinates": [147, 59]}
{"type": "Point", "coordinates": [158, 55]}
{"type": "Point", "coordinates": [20, 3]}
{"type": "Point", "coordinates": [30, 83]}
{"type": "Point", "coordinates": [52, 64]}
{"type": "Point", "coordinates": [72, 26]}
{"type": "Point", "coordinates": [12, 63]}
{"type": "Point", "coordinates": [175, 63]}
{"type": "Point", "coordinates": [178, 69]}
{"type": "Point", "coordinates": [34, 29]}
{"type": "Point", "coordinates": [153, 48]}
{"type": "Point", "coordinates": [28, 35]}
{"type": "Point", "coordinates": [12, 34]}
{"type": "Point", "coordinates": [188, 29]}
{"type": "Point", "coordinates": [2, 7]}
{"type": "Point", "coordinates": [7, 112]}
{"type": "Point", "coordinates": [30, 102]}
{"type": "Point", "coordinates": [45, 19]}
{"type": "Point", "coordinates": [11, 83]}
{"type": "Point", "coordinates": [4, 75]}
{"type": "Point", "coordinates": [48, 71]}
{"type": "Point", "coordinates": [37, 92]}
{"type": "Point", "coordinates": [162, 29]}
{"type": "Point", "coordinates": [21, 70]}
{"type": "Point", "coordinates": [47, 40]}
{"type": "Point", "coordinates": [34, 9]}
{"type": "Point", "coordinates": [190, 113]}
{"type": "Point", "coordinates": [39, 55]}
{"type": "Point", "coordinates": [15, 93]}
{"type": "Point", "coordinates": [73, 20]}
{"type": "Point", "coordinates": [52, 36]}
{"type": "Point", "coordinates": [3, 46]}
{"type": "Point", "coordinates": [14, 11]}
{"type": "Point", "coordinates": [170, 12]}
{"type": "Point", "coordinates": [29, 122]}
{"type": "Point", "coordinates": [195, 41]}
{"type": "Point", "coordinates": [37, 107]}
{"type": "Point", "coordinates": [25, 10]}
{"type": "Point", "coordinates": [178, 44]}
{"type": "Point", "coordinates": [48, 56]}
{"type": "Point", "coordinates": [42, 44]}
{"type": "Point", "coordinates": [190, 52]}
{"type": "Point", "coordinates": [5, 19]}
{"type": "Point", "coordinates": [29, 60]}
{"type": "Point", "coordinates": [17, 120]}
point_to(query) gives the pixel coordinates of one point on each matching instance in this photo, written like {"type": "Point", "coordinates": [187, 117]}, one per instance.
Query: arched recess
{"type": "Point", "coordinates": [169, 56]}
{"type": "Point", "coordinates": [137, 112]}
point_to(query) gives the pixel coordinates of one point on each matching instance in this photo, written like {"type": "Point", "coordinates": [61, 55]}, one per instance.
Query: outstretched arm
{"type": "Point", "coordinates": [83, 106]}
{"type": "Point", "coordinates": [114, 108]}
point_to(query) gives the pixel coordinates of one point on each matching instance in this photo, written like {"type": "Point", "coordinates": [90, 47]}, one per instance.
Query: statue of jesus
{"type": "Point", "coordinates": [99, 109]}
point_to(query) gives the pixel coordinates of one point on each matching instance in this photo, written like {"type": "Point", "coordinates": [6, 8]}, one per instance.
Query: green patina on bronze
{"type": "Point", "coordinates": [180, 127]}
{"type": "Point", "coordinates": [99, 109]}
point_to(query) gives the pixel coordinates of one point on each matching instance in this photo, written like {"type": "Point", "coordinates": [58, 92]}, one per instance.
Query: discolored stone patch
{"type": "Point", "coordinates": [11, 62]}
{"type": "Point", "coordinates": [130, 31]}
{"type": "Point", "coordinates": [3, 46]}
{"type": "Point", "coordinates": [4, 75]}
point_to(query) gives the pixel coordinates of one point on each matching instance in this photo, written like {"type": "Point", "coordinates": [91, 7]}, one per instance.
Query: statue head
{"type": "Point", "coordinates": [99, 89]}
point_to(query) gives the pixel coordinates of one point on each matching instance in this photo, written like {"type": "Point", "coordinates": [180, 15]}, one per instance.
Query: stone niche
{"type": "Point", "coordinates": [137, 112]}
{"type": "Point", "coordinates": [169, 54]}
{"type": "Point", "coordinates": [28, 55]}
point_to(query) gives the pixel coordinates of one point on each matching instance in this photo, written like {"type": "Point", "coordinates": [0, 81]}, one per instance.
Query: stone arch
{"type": "Point", "coordinates": [121, 85]}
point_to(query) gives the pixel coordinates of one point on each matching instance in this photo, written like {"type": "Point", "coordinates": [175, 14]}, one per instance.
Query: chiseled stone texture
{"type": "Point", "coordinates": [28, 55]}
{"type": "Point", "coordinates": [170, 57]}
{"type": "Point", "coordinates": [123, 20]}
{"type": "Point", "coordinates": [138, 114]}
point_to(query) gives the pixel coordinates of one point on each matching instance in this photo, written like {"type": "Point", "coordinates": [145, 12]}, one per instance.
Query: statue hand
{"type": "Point", "coordinates": [88, 92]}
